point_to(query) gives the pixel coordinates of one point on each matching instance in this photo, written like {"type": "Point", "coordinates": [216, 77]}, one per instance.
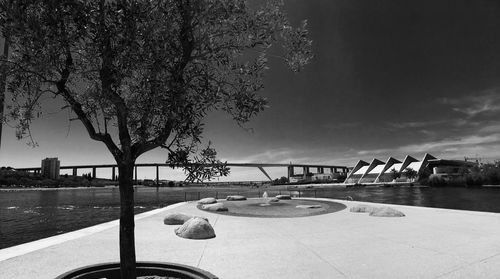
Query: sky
{"type": "Point", "coordinates": [389, 78]}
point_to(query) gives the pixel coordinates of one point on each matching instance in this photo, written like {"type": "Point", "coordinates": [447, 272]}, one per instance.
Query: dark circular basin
{"type": "Point", "coordinates": [160, 269]}
{"type": "Point", "coordinates": [282, 209]}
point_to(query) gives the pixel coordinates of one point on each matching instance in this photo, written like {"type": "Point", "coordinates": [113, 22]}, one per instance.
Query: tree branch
{"type": "Point", "coordinates": [77, 108]}
{"type": "Point", "coordinates": [142, 147]}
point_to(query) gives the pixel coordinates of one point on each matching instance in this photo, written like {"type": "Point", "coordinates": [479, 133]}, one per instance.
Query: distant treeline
{"type": "Point", "coordinates": [484, 174]}
{"type": "Point", "coordinates": [12, 178]}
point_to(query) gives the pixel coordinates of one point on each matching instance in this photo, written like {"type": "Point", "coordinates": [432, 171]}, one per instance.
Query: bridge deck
{"type": "Point", "coordinates": [256, 165]}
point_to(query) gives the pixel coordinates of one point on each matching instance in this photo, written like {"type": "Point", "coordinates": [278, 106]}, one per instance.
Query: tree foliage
{"type": "Point", "coordinates": [143, 74]}
{"type": "Point", "coordinates": [395, 174]}
{"type": "Point", "coordinates": [410, 173]}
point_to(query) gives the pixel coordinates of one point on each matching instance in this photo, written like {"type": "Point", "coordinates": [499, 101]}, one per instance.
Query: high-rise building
{"type": "Point", "coordinates": [50, 168]}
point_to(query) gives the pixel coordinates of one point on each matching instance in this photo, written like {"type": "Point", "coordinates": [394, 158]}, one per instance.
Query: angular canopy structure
{"type": "Point", "coordinates": [379, 171]}
{"type": "Point", "coordinates": [350, 176]}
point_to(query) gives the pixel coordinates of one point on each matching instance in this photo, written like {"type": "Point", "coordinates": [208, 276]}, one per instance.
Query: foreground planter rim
{"type": "Point", "coordinates": [112, 271]}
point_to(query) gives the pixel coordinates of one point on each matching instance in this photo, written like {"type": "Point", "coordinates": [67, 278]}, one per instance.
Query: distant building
{"type": "Point", "coordinates": [50, 168]}
{"type": "Point", "coordinates": [450, 169]}
{"type": "Point", "coordinates": [394, 170]}
{"type": "Point", "coordinates": [312, 177]}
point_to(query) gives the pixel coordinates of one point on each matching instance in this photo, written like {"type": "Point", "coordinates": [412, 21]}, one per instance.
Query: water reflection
{"type": "Point", "coordinates": [29, 215]}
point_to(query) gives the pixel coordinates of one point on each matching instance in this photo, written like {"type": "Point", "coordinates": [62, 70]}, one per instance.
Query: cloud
{"type": "Point", "coordinates": [415, 124]}
{"type": "Point", "coordinates": [475, 104]}
{"type": "Point", "coordinates": [452, 146]}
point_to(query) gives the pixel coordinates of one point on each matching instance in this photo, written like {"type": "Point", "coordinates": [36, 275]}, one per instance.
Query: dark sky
{"type": "Point", "coordinates": [389, 78]}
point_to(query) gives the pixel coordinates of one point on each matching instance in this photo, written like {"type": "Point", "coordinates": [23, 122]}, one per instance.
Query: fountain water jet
{"type": "Point", "coordinates": [266, 200]}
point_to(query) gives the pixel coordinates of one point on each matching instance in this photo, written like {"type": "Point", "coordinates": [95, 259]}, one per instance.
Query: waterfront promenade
{"type": "Point", "coordinates": [427, 243]}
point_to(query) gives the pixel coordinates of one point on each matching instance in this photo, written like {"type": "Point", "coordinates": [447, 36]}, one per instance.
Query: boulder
{"type": "Point", "coordinates": [283, 197]}
{"type": "Point", "coordinates": [196, 228]}
{"type": "Point", "coordinates": [207, 201]}
{"type": "Point", "coordinates": [236, 198]}
{"type": "Point", "coordinates": [386, 212]}
{"type": "Point", "coordinates": [308, 206]}
{"type": "Point", "coordinates": [176, 219]}
{"type": "Point", "coordinates": [362, 208]}
{"type": "Point", "coordinates": [214, 207]}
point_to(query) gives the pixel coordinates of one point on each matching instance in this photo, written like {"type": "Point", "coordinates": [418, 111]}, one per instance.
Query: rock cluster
{"type": "Point", "coordinates": [207, 201]}
{"type": "Point", "coordinates": [214, 207]}
{"type": "Point", "coordinates": [196, 228]}
{"type": "Point", "coordinates": [273, 200]}
{"type": "Point", "coordinates": [193, 227]}
{"type": "Point", "coordinates": [176, 218]}
{"type": "Point", "coordinates": [386, 212]}
{"type": "Point", "coordinates": [236, 198]}
{"type": "Point", "coordinates": [377, 211]}
{"type": "Point", "coordinates": [308, 206]}
{"type": "Point", "coordinates": [362, 209]}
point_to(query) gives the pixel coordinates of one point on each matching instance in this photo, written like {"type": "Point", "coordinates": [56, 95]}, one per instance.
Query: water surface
{"type": "Point", "coordinates": [31, 214]}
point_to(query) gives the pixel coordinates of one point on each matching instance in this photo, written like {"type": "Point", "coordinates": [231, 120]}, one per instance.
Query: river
{"type": "Point", "coordinates": [28, 215]}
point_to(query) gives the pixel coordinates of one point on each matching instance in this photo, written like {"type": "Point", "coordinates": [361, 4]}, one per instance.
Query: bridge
{"type": "Point", "coordinates": [306, 168]}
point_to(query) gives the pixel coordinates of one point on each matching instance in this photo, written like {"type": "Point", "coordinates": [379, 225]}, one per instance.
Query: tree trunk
{"type": "Point", "coordinates": [127, 242]}
{"type": "Point", "coordinates": [3, 81]}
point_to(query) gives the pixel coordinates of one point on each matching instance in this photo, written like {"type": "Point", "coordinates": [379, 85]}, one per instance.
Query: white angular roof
{"type": "Point", "coordinates": [415, 166]}
{"type": "Point", "coordinates": [378, 169]}
{"type": "Point", "coordinates": [396, 166]}
{"type": "Point", "coordinates": [362, 170]}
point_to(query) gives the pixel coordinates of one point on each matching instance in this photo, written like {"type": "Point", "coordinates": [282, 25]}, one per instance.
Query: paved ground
{"type": "Point", "coordinates": [427, 243]}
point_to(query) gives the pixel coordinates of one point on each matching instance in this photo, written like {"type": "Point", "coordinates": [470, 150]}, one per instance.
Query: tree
{"type": "Point", "coordinates": [410, 173]}
{"type": "Point", "coordinates": [395, 174]}
{"type": "Point", "coordinates": [4, 68]}
{"type": "Point", "coordinates": [142, 74]}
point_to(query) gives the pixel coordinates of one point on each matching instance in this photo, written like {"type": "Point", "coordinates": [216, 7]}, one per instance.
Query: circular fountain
{"type": "Point", "coordinates": [271, 207]}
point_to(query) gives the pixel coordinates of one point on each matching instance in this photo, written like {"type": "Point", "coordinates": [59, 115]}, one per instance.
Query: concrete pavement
{"type": "Point", "coordinates": [427, 243]}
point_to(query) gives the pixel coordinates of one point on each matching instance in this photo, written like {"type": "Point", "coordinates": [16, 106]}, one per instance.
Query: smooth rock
{"type": "Point", "coordinates": [308, 206]}
{"type": "Point", "coordinates": [386, 212]}
{"type": "Point", "coordinates": [284, 197]}
{"type": "Point", "coordinates": [363, 208]}
{"type": "Point", "coordinates": [176, 218]}
{"type": "Point", "coordinates": [236, 198]}
{"type": "Point", "coordinates": [214, 207]}
{"type": "Point", "coordinates": [207, 201]}
{"type": "Point", "coordinates": [196, 228]}
{"type": "Point", "coordinates": [273, 200]}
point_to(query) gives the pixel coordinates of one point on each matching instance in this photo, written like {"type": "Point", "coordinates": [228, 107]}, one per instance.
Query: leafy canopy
{"type": "Point", "coordinates": [141, 74]}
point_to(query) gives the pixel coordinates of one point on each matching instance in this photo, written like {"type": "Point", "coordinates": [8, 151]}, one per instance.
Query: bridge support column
{"type": "Point", "coordinates": [135, 176]}
{"type": "Point", "coordinates": [157, 175]}
{"type": "Point", "coordinates": [305, 171]}
{"type": "Point", "coordinates": [94, 173]}
{"type": "Point", "coordinates": [265, 173]}
{"type": "Point", "coordinates": [321, 170]}
{"type": "Point", "coordinates": [75, 171]}
{"type": "Point", "coordinates": [113, 174]}
{"type": "Point", "coordinates": [290, 172]}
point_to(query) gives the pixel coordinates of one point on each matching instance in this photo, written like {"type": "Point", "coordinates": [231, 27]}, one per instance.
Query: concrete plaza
{"type": "Point", "coordinates": [427, 243]}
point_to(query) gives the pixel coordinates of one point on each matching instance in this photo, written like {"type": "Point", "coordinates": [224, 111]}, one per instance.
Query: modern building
{"type": "Point", "coordinates": [50, 168]}
{"type": "Point", "coordinates": [450, 169]}
{"type": "Point", "coordinates": [394, 170]}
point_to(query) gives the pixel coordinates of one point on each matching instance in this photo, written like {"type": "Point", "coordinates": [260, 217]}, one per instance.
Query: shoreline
{"type": "Point", "coordinates": [17, 189]}
{"type": "Point", "coordinates": [270, 187]}
{"type": "Point", "coordinates": [409, 246]}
